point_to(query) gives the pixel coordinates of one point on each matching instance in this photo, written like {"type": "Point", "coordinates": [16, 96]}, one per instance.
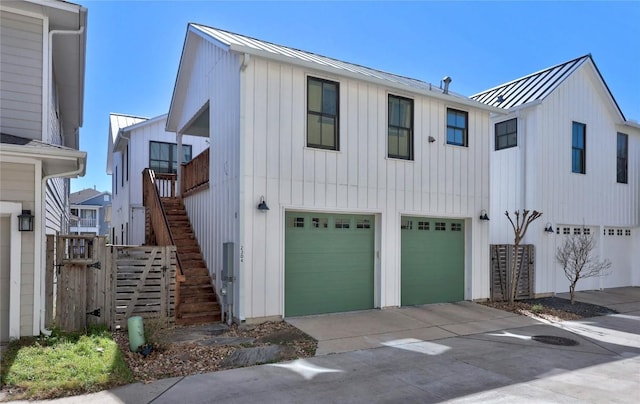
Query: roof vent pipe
{"type": "Point", "coordinates": [447, 81]}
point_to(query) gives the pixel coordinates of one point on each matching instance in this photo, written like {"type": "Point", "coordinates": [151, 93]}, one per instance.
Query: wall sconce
{"type": "Point", "coordinates": [25, 221]}
{"type": "Point", "coordinates": [483, 215]}
{"type": "Point", "coordinates": [262, 206]}
{"type": "Point", "coordinates": [432, 139]}
{"type": "Point", "coordinates": [548, 228]}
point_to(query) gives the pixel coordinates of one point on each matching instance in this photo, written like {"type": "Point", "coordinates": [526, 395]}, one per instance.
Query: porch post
{"type": "Point", "coordinates": [179, 169]}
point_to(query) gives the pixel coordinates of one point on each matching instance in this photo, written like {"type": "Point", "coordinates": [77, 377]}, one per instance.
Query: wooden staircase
{"type": "Point", "coordinates": [197, 302]}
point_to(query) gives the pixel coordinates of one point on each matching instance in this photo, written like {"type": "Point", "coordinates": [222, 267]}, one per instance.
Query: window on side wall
{"type": "Point", "coordinates": [400, 131]}
{"type": "Point", "coordinates": [322, 113]}
{"type": "Point", "coordinates": [457, 127]}
{"type": "Point", "coordinates": [622, 158]}
{"type": "Point", "coordinates": [506, 134]}
{"type": "Point", "coordinates": [163, 157]}
{"type": "Point", "coordinates": [578, 148]}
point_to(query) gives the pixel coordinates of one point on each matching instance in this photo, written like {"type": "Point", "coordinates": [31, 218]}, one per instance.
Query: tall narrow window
{"type": "Point", "coordinates": [322, 113]}
{"type": "Point", "coordinates": [578, 148]}
{"type": "Point", "coordinates": [507, 134]}
{"type": "Point", "coordinates": [623, 158]}
{"type": "Point", "coordinates": [163, 157]}
{"type": "Point", "coordinates": [126, 159]}
{"type": "Point", "coordinates": [457, 129]}
{"type": "Point", "coordinates": [400, 135]}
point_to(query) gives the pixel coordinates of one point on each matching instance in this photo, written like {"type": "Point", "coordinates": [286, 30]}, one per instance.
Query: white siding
{"type": "Point", "coordinates": [215, 213]}
{"type": "Point", "coordinates": [21, 75]}
{"type": "Point", "coordinates": [57, 206]}
{"type": "Point", "coordinates": [537, 175]}
{"type": "Point", "coordinates": [442, 180]}
{"type": "Point", "coordinates": [126, 217]}
{"type": "Point", "coordinates": [17, 184]}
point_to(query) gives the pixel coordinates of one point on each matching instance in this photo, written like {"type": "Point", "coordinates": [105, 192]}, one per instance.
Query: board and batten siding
{"type": "Point", "coordinates": [18, 182]}
{"type": "Point", "coordinates": [127, 203]}
{"type": "Point", "coordinates": [214, 213]}
{"type": "Point", "coordinates": [441, 181]}
{"type": "Point", "coordinates": [21, 61]}
{"type": "Point", "coordinates": [537, 175]}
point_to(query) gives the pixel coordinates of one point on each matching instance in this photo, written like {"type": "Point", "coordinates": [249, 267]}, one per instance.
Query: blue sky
{"type": "Point", "coordinates": [133, 47]}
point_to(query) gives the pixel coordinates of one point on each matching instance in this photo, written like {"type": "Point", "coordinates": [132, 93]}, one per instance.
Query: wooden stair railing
{"type": "Point", "coordinates": [196, 300]}
{"type": "Point", "coordinates": [194, 175]}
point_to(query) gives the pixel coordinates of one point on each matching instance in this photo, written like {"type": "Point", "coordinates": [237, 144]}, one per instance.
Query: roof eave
{"type": "Point", "coordinates": [76, 159]}
{"type": "Point", "coordinates": [386, 83]}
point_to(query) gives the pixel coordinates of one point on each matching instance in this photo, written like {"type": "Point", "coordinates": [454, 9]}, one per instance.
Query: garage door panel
{"type": "Point", "coordinates": [329, 263]}
{"type": "Point", "coordinates": [432, 260]}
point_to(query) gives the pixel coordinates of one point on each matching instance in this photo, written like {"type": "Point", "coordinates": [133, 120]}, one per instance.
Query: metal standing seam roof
{"type": "Point", "coordinates": [535, 86]}
{"type": "Point", "coordinates": [120, 121]}
{"type": "Point", "coordinates": [231, 39]}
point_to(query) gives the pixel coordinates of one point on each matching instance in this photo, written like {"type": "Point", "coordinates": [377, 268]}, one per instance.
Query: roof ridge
{"type": "Point", "coordinates": [311, 53]}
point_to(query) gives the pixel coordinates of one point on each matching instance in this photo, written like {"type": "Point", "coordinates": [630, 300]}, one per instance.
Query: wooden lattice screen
{"type": "Point", "coordinates": [502, 267]}
{"type": "Point", "coordinates": [145, 283]}
{"type": "Point", "coordinates": [89, 282]}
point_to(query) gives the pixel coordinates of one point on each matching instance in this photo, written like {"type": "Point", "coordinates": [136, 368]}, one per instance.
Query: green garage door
{"type": "Point", "coordinates": [432, 260]}
{"type": "Point", "coordinates": [329, 263]}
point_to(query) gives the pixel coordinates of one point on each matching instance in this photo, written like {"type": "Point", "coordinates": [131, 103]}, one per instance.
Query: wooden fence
{"type": "Point", "coordinates": [88, 282]}
{"type": "Point", "coordinates": [502, 268]}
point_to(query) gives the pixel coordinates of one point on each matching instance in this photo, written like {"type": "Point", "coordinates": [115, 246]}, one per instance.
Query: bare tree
{"type": "Point", "coordinates": [519, 230]}
{"type": "Point", "coordinates": [578, 262]}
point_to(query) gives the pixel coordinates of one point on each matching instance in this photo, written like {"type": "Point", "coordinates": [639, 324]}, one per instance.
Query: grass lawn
{"type": "Point", "coordinates": [63, 364]}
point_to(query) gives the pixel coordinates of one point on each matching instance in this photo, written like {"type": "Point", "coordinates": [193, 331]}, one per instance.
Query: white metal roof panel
{"type": "Point", "coordinates": [237, 42]}
{"type": "Point", "coordinates": [120, 121]}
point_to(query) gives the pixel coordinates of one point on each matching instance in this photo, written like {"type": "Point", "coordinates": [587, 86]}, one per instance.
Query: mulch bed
{"type": "Point", "coordinates": [171, 359]}
{"type": "Point", "coordinates": [552, 308]}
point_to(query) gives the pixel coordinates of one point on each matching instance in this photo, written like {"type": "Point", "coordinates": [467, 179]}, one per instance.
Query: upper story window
{"type": "Point", "coordinates": [322, 113]}
{"type": "Point", "coordinates": [400, 132]}
{"type": "Point", "coordinates": [507, 134]}
{"type": "Point", "coordinates": [457, 127]}
{"type": "Point", "coordinates": [622, 158]}
{"type": "Point", "coordinates": [163, 157]}
{"type": "Point", "coordinates": [578, 148]}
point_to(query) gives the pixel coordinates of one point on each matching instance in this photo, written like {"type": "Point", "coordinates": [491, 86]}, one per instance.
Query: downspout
{"type": "Point", "coordinates": [43, 259]}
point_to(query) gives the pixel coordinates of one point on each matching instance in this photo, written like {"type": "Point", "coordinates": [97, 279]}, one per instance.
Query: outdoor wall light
{"type": "Point", "coordinates": [25, 221]}
{"type": "Point", "coordinates": [262, 206]}
{"type": "Point", "coordinates": [483, 215]}
{"type": "Point", "coordinates": [548, 228]}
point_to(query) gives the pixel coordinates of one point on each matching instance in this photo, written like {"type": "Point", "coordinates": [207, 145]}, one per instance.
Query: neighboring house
{"type": "Point", "coordinates": [566, 149]}
{"type": "Point", "coordinates": [136, 143]}
{"type": "Point", "coordinates": [374, 182]}
{"type": "Point", "coordinates": [90, 212]}
{"type": "Point", "coordinates": [41, 104]}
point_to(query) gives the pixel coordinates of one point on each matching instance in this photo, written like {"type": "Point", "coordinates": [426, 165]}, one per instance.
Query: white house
{"type": "Point", "coordinates": [566, 149]}
{"type": "Point", "coordinates": [41, 98]}
{"type": "Point", "coordinates": [136, 143]}
{"type": "Point", "coordinates": [374, 182]}
{"type": "Point", "coordinates": [90, 212]}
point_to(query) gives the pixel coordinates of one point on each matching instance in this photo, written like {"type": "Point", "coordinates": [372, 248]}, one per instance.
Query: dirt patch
{"type": "Point", "coordinates": [210, 353]}
{"type": "Point", "coordinates": [552, 308]}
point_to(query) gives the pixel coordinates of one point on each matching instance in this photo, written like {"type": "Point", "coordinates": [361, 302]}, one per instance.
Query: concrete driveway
{"type": "Point", "coordinates": [462, 353]}
{"type": "Point", "coordinates": [345, 332]}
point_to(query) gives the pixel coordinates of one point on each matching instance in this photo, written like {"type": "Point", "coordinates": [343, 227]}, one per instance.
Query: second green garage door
{"type": "Point", "coordinates": [432, 260]}
{"type": "Point", "coordinates": [329, 263]}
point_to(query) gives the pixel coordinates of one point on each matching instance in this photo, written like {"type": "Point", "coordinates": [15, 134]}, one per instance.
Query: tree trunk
{"type": "Point", "coordinates": [572, 292]}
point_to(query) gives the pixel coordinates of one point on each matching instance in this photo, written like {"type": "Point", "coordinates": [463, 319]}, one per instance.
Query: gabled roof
{"type": "Point", "coordinates": [83, 195]}
{"type": "Point", "coordinates": [116, 123]}
{"type": "Point", "coordinates": [537, 86]}
{"type": "Point", "coordinates": [256, 47]}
